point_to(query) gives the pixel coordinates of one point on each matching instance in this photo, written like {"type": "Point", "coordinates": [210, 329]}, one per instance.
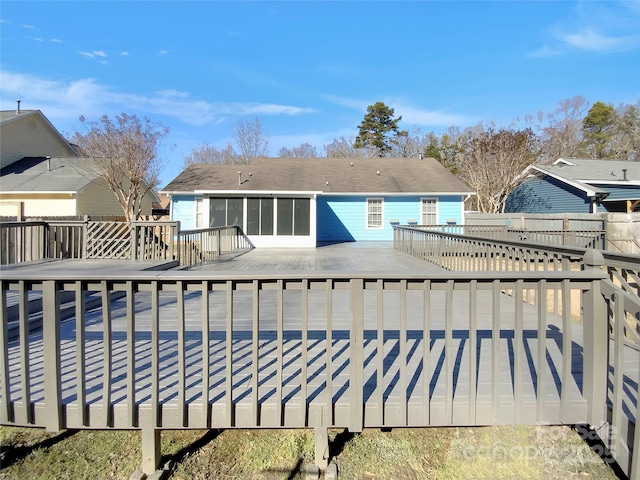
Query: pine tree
{"type": "Point", "coordinates": [378, 128]}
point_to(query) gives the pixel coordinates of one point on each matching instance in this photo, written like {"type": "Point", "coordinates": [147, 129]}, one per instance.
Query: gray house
{"type": "Point", "coordinates": [576, 185]}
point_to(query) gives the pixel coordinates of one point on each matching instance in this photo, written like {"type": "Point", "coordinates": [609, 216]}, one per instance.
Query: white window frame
{"type": "Point", "coordinates": [428, 201]}
{"type": "Point", "coordinates": [369, 211]}
{"type": "Point", "coordinates": [198, 214]}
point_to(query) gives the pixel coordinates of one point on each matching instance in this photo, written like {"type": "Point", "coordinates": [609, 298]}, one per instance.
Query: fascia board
{"type": "Point", "coordinates": [396, 194]}
{"type": "Point", "coordinates": [39, 192]}
{"type": "Point", "coordinates": [576, 184]}
{"type": "Point", "coordinates": [254, 192]}
{"type": "Point", "coordinates": [633, 183]}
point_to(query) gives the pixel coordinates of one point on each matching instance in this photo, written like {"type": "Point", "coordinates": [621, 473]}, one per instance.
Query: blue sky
{"type": "Point", "coordinates": [308, 70]}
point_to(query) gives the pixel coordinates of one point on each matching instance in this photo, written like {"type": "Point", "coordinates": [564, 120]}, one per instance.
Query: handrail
{"type": "Point", "coordinates": [613, 260]}
{"type": "Point", "coordinates": [331, 328]}
{"type": "Point", "coordinates": [612, 312]}
{"type": "Point", "coordinates": [199, 246]}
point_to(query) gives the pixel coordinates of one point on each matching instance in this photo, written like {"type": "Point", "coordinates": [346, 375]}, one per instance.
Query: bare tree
{"type": "Point", "coordinates": [210, 154]}
{"type": "Point", "coordinates": [493, 162]}
{"type": "Point", "coordinates": [251, 140]}
{"type": "Point", "coordinates": [343, 148]}
{"type": "Point", "coordinates": [561, 131]}
{"type": "Point", "coordinates": [124, 150]}
{"type": "Point", "coordinates": [306, 150]}
{"type": "Point", "coordinates": [627, 138]}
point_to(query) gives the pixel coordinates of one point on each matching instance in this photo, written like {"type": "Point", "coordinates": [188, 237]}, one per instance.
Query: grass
{"type": "Point", "coordinates": [509, 452]}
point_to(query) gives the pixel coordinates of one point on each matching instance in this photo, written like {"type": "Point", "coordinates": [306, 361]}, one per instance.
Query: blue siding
{"type": "Point", "coordinates": [450, 210]}
{"type": "Point", "coordinates": [344, 218]}
{"type": "Point", "coordinates": [620, 192]}
{"type": "Point", "coordinates": [547, 195]}
{"type": "Point", "coordinates": [183, 210]}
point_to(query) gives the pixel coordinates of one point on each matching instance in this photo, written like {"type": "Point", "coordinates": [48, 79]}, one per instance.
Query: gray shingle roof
{"type": "Point", "coordinates": [327, 175]}
{"type": "Point", "coordinates": [594, 171]}
{"type": "Point", "coordinates": [66, 174]}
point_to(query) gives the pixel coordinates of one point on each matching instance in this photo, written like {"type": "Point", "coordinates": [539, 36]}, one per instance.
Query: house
{"type": "Point", "coordinates": [58, 187]}
{"type": "Point", "coordinates": [294, 202]}
{"type": "Point", "coordinates": [42, 175]}
{"type": "Point", "coordinates": [28, 133]}
{"type": "Point", "coordinates": [577, 185]}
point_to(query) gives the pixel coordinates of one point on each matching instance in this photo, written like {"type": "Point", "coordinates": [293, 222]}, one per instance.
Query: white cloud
{"type": "Point", "coordinates": [163, 52]}
{"type": "Point", "coordinates": [271, 109]}
{"type": "Point", "coordinates": [56, 40]}
{"type": "Point", "coordinates": [93, 54]}
{"type": "Point", "coordinates": [68, 99]}
{"type": "Point", "coordinates": [596, 27]}
{"type": "Point", "coordinates": [595, 42]}
{"type": "Point", "coordinates": [30, 27]}
{"type": "Point", "coordinates": [124, 54]}
{"type": "Point", "coordinates": [173, 93]}
{"type": "Point", "coordinates": [546, 51]}
{"type": "Point", "coordinates": [411, 115]}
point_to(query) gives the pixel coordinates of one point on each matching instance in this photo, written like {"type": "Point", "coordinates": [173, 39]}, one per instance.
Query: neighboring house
{"type": "Point", "coordinates": [56, 187]}
{"type": "Point", "coordinates": [289, 202]}
{"type": "Point", "coordinates": [42, 175]}
{"type": "Point", "coordinates": [577, 186]}
{"type": "Point", "coordinates": [160, 210]}
{"type": "Point", "coordinates": [29, 133]}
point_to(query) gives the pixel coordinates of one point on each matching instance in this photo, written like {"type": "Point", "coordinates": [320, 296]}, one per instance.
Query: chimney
{"type": "Point", "coordinates": [48, 163]}
{"type": "Point", "coordinates": [239, 178]}
{"type": "Point", "coordinates": [18, 108]}
{"type": "Point", "coordinates": [624, 174]}
{"type": "Point", "coordinates": [420, 155]}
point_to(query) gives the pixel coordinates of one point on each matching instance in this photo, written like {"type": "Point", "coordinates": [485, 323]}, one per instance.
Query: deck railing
{"type": "Point", "coordinates": [568, 238]}
{"type": "Point", "coordinates": [54, 239]}
{"type": "Point", "coordinates": [188, 349]}
{"type": "Point", "coordinates": [197, 247]}
{"type": "Point", "coordinates": [139, 240]}
{"type": "Point", "coordinates": [621, 294]}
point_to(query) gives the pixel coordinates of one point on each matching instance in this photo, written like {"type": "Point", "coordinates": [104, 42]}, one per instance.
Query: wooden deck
{"type": "Point", "coordinates": [490, 375]}
{"type": "Point", "coordinates": [344, 257]}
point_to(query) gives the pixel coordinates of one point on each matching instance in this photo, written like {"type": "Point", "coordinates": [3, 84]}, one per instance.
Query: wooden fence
{"type": "Point", "coordinates": [140, 240]}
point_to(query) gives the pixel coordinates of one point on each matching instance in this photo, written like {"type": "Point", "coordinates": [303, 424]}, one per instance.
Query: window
{"type": "Point", "coordinates": [199, 212]}
{"type": "Point", "coordinates": [374, 213]}
{"type": "Point", "coordinates": [225, 211]}
{"type": "Point", "coordinates": [429, 211]}
{"type": "Point", "coordinates": [259, 216]}
{"type": "Point", "coordinates": [301, 220]}
{"type": "Point", "coordinates": [285, 216]}
{"type": "Point", "coordinates": [293, 216]}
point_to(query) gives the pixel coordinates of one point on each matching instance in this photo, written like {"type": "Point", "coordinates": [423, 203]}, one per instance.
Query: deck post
{"type": "Point", "coordinates": [356, 360]}
{"type": "Point", "coordinates": [595, 325]}
{"type": "Point", "coordinates": [151, 452]}
{"type": "Point", "coordinates": [321, 435]}
{"type": "Point", "coordinates": [51, 336]}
